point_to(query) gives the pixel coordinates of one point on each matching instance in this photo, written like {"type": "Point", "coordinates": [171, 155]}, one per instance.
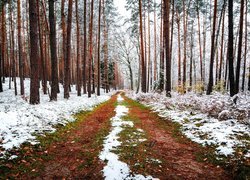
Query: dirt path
{"type": "Point", "coordinates": [70, 153]}
{"type": "Point", "coordinates": [178, 155]}
{"type": "Point", "coordinates": [151, 147]}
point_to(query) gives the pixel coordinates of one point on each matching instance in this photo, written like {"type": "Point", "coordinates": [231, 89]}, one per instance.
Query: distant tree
{"type": "Point", "coordinates": [125, 55]}
{"type": "Point", "coordinates": [34, 57]}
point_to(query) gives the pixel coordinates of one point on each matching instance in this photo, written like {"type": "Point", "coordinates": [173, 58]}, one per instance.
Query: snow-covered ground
{"type": "Point", "coordinates": [116, 169]}
{"type": "Point", "coordinates": [19, 120]}
{"type": "Point", "coordinates": [208, 120]}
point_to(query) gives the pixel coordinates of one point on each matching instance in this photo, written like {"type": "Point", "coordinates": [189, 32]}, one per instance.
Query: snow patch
{"type": "Point", "coordinates": [116, 169]}
{"type": "Point", "coordinates": [208, 120]}
{"type": "Point", "coordinates": [20, 121]}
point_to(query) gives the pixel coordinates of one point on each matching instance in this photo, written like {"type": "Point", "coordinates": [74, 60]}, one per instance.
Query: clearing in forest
{"type": "Point", "coordinates": [119, 139]}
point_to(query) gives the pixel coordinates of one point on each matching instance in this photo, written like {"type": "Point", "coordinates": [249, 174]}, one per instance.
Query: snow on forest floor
{"type": "Point", "coordinates": [20, 121]}
{"type": "Point", "coordinates": [208, 120]}
{"type": "Point", "coordinates": [116, 169]}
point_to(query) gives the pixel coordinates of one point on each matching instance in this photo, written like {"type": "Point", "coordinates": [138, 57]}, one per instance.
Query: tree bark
{"type": "Point", "coordinates": [98, 50]}
{"type": "Point", "coordinates": [222, 47]}
{"type": "Point", "coordinates": [90, 48]}
{"type": "Point", "coordinates": [3, 42]}
{"type": "Point", "coordinates": [68, 52]}
{"type": "Point", "coordinates": [20, 47]}
{"type": "Point", "coordinates": [185, 47]}
{"type": "Point", "coordinates": [143, 67]}
{"type": "Point", "coordinates": [167, 46]}
{"type": "Point", "coordinates": [237, 80]}
{"type": "Point", "coordinates": [230, 54]}
{"type": "Point", "coordinates": [64, 34]}
{"type": "Point", "coordinates": [155, 47]}
{"type": "Point", "coordinates": [161, 72]}
{"type": "Point", "coordinates": [78, 61]}
{"type": "Point", "coordinates": [84, 47]}
{"type": "Point", "coordinates": [53, 51]}
{"type": "Point", "coordinates": [179, 49]}
{"type": "Point", "coordinates": [13, 57]}
{"type": "Point", "coordinates": [34, 57]}
{"type": "Point", "coordinates": [245, 55]}
{"type": "Point", "coordinates": [211, 79]}
{"type": "Point", "coordinates": [41, 60]}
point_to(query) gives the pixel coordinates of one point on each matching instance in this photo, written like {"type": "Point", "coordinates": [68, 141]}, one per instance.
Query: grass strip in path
{"type": "Point", "coordinates": [70, 152]}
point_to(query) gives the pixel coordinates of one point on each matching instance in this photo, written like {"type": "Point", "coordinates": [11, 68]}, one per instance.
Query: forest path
{"type": "Point", "coordinates": [120, 138]}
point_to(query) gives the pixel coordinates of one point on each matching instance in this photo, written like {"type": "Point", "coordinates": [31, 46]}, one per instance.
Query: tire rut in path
{"type": "Point", "coordinates": [177, 156]}
{"type": "Point", "coordinates": [77, 156]}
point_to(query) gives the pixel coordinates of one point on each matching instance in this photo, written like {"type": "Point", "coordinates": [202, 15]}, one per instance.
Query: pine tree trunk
{"type": "Point", "coordinates": [3, 42]}
{"type": "Point", "coordinates": [34, 56]}
{"type": "Point", "coordinates": [20, 47]}
{"type": "Point", "coordinates": [1, 74]}
{"type": "Point", "coordinates": [179, 49]}
{"type": "Point", "coordinates": [155, 45]}
{"type": "Point", "coordinates": [191, 59]}
{"type": "Point", "coordinates": [237, 81]}
{"type": "Point", "coordinates": [44, 82]}
{"type": "Point", "coordinates": [222, 47]}
{"type": "Point", "coordinates": [84, 47]}
{"type": "Point", "coordinates": [161, 72]}
{"type": "Point", "coordinates": [78, 61]}
{"type": "Point", "coordinates": [149, 51]}
{"type": "Point", "coordinates": [204, 47]}
{"type": "Point", "coordinates": [13, 57]}
{"type": "Point", "coordinates": [68, 53]}
{"type": "Point", "coordinates": [143, 67]}
{"type": "Point", "coordinates": [53, 51]}
{"type": "Point", "coordinates": [172, 29]}
{"type": "Point", "coordinates": [185, 46]}
{"type": "Point", "coordinates": [98, 50]}
{"type": "Point", "coordinates": [230, 54]}
{"type": "Point", "coordinates": [1, 71]}
{"type": "Point", "coordinates": [167, 46]}
{"type": "Point", "coordinates": [245, 55]}
{"type": "Point", "coordinates": [64, 34]}
{"type": "Point", "coordinates": [199, 36]}
{"type": "Point", "coordinates": [105, 50]}
{"type": "Point", "coordinates": [211, 79]}
{"type": "Point", "coordinates": [90, 48]}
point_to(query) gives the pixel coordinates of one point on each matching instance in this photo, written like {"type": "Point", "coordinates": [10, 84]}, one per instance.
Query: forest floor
{"type": "Point", "coordinates": [119, 139]}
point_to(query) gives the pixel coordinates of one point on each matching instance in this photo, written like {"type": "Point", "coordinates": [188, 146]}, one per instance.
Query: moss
{"type": "Point", "coordinates": [199, 124]}
{"type": "Point", "coordinates": [186, 120]}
